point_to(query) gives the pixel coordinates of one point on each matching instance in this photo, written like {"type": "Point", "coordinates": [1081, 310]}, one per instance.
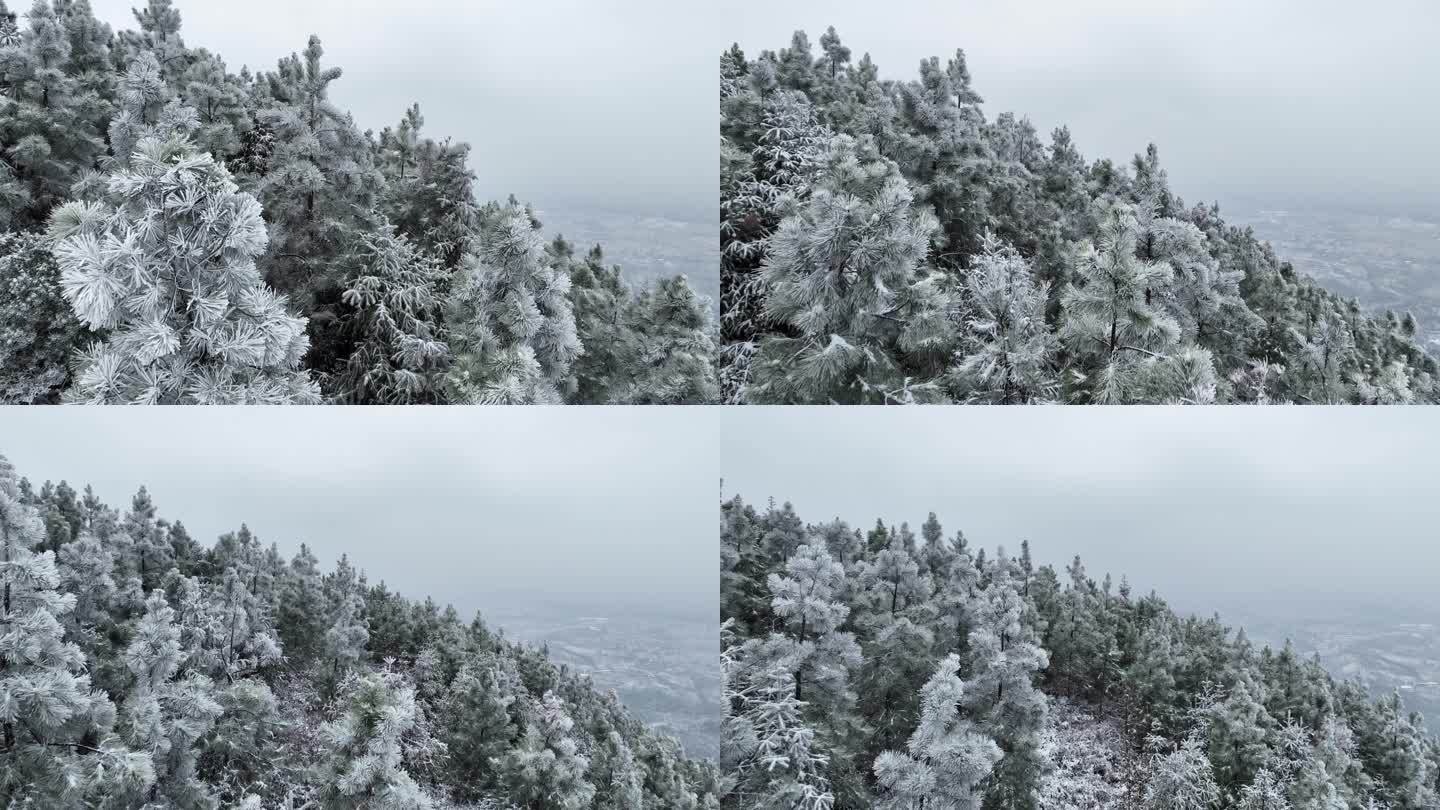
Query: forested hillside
{"type": "Point", "coordinates": [882, 241]}
{"type": "Point", "coordinates": [139, 668]}
{"type": "Point", "coordinates": [881, 669]}
{"type": "Point", "coordinates": [178, 232]}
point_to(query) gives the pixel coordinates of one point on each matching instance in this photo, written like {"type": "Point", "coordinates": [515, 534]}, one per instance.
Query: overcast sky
{"type": "Point", "coordinates": [474, 506]}
{"type": "Point", "coordinates": [1285, 96]}
{"type": "Point", "coordinates": [1216, 508]}
{"type": "Point", "coordinates": [566, 102]}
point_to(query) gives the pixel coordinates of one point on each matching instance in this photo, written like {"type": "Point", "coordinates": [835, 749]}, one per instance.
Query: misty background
{"type": "Point", "coordinates": [599, 112]}
{"type": "Point", "coordinates": [1309, 121]}
{"type": "Point", "coordinates": [1314, 525]}
{"type": "Point", "coordinates": [589, 530]}
{"type": "Point", "coordinates": [1216, 508]}
{"type": "Point", "coordinates": [1279, 98]}
{"type": "Point", "coordinates": [480, 507]}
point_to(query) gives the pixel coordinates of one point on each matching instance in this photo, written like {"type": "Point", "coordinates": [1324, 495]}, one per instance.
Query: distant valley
{"type": "Point", "coordinates": [646, 246]}
{"type": "Point", "coordinates": [1384, 254]}
{"type": "Point", "coordinates": [1386, 648]}
{"type": "Point", "coordinates": [664, 669]}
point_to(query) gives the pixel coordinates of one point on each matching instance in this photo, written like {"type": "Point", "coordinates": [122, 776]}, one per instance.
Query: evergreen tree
{"type": "Point", "coordinates": [476, 729]}
{"type": "Point", "coordinates": [221, 100]}
{"type": "Point", "coordinates": [392, 316]}
{"type": "Point", "coordinates": [1181, 779]}
{"type": "Point", "coordinates": [603, 307]}
{"type": "Point", "coordinates": [804, 601]}
{"type": "Point", "coordinates": [319, 183]}
{"type": "Point", "coordinates": [768, 752]}
{"type": "Point", "coordinates": [379, 727]}
{"type": "Point", "coordinates": [845, 283]}
{"type": "Point", "coordinates": [50, 716]}
{"type": "Point", "coordinates": [778, 172]}
{"type": "Point", "coordinates": [673, 363]}
{"type": "Point", "coordinates": [1111, 314]}
{"type": "Point", "coordinates": [165, 264]}
{"type": "Point", "coordinates": [1001, 697]}
{"type": "Point", "coordinates": [947, 758]}
{"type": "Point", "coordinates": [301, 611]}
{"type": "Point", "coordinates": [50, 119]}
{"type": "Point", "coordinates": [1007, 354]}
{"type": "Point", "coordinates": [37, 329]}
{"type": "Point", "coordinates": [166, 715]}
{"type": "Point", "coordinates": [512, 323]}
{"type": "Point", "coordinates": [546, 770]}
{"type": "Point", "coordinates": [430, 194]}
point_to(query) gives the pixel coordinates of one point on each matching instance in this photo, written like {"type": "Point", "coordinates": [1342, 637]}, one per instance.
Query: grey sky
{"type": "Point", "coordinates": [1282, 96]}
{"type": "Point", "coordinates": [607, 103]}
{"type": "Point", "coordinates": [595, 507]}
{"type": "Point", "coordinates": [1216, 508]}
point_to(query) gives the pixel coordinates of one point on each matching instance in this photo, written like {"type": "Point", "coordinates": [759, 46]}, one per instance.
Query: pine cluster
{"type": "Point", "coordinates": [174, 232]}
{"type": "Point", "coordinates": [139, 668]}
{"type": "Point", "coordinates": [883, 241]}
{"type": "Point", "coordinates": [882, 669]}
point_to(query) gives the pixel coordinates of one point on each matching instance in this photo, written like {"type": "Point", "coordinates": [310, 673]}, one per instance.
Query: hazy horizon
{"type": "Point", "coordinates": [1228, 510]}
{"type": "Point", "coordinates": [598, 509]}
{"type": "Point", "coordinates": [1280, 100]}
{"type": "Point", "coordinates": [556, 99]}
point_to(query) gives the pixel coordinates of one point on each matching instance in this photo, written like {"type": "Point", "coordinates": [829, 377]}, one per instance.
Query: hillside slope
{"type": "Point", "coordinates": [140, 668]}
{"type": "Point", "coordinates": [883, 240]}
{"type": "Point", "coordinates": [882, 669]}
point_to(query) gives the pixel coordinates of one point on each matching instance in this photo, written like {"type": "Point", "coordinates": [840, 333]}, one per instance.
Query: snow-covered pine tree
{"type": "Point", "coordinates": [625, 786]}
{"type": "Point", "coordinates": [1007, 351]}
{"type": "Point", "coordinates": [1114, 321]}
{"type": "Point", "coordinates": [38, 331]}
{"type": "Point", "coordinates": [1203, 296]}
{"type": "Point", "coordinates": [378, 729]}
{"type": "Point", "coordinates": [319, 183]}
{"type": "Point", "coordinates": [164, 263]}
{"type": "Point", "coordinates": [164, 715]}
{"type": "Point", "coordinates": [943, 150]}
{"type": "Point", "coordinates": [673, 353]}
{"type": "Point", "coordinates": [602, 303]}
{"type": "Point", "coordinates": [221, 100]}
{"type": "Point", "coordinates": [778, 172]}
{"type": "Point", "coordinates": [1237, 729]}
{"type": "Point", "coordinates": [476, 729]}
{"type": "Point", "coordinates": [1001, 697]}
{"type": "Point", "coordinates": [768, 752]}
{"type": "Point", "coordinates": [391, 319]}
{"type": "Point", "coordinates": [512, 325]}
{"type": "Point", "coordinates": [1181, 779]}
{"type": "Point", "coordinates": [51, 117]}
{"type": "Point", "coordinates": [546, 770]}
{"type": "Point", "coordinates": [893, 579]}
{"type": "Point", "coordinates": [430, 194]}
{"type": "Point", "coordinates": [348, 635]}
{"type": "Point", "coordinates": [804, 599]}
{"type": "Point", "coordinates": [300, 617]}
{"type": "Point", "coordinates": [947, 759]}
{"type": "Point", "coordinates": [54, 728]}
{"type": "Point", "coordinates": [863, 320]}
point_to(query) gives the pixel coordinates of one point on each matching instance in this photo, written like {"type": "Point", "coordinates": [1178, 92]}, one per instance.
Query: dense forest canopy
{"type": "Point", "coordinates": [139, 668]}
{"type": "Point", "coordinates": [884, 669]}
{"type": "Point", "coordinates": [177, 232]}
{"type": "Point", "coordinates": [883, 240]}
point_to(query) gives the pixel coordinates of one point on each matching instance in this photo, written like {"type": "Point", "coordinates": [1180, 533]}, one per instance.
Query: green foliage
{"type": "Point", "coordinates": [126, 141]}
{"type": "Point", "coordinates": [1127, 296]}
{"type": "Point", "coordinates": [513, 328]}
{"type": "Point", "coordinates": [38, 331]}
{"type": "Point", "coordinates": [869, 685]}
{"type": "Point", "coordinates": [224, 677]}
